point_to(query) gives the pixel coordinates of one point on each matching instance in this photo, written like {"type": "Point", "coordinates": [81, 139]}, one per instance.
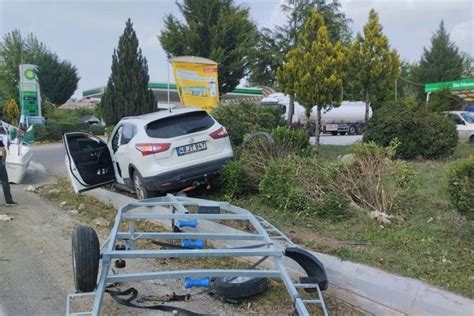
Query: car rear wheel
{"type": "Point", "coordinates": [139, 186]}
{"type": "Point", "coordinates": [471, 139]}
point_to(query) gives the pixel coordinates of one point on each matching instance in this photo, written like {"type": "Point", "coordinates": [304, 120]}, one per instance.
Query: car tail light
{"type": "Point", "coordinates": [148, 149]}
{"type": "Point", "coordinates": [220, 133]}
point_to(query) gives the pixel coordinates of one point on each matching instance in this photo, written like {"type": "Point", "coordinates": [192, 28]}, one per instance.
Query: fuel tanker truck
{"type": "Point", "coordinates": [348, 118]}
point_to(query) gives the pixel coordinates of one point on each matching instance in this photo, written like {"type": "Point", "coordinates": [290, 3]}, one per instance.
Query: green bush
{"type": "Point", "coordinates": [419, 132]}
{"type": "Point", "coordinates": [97, 129]}
{"type": "Point", "coordinates": [439, 138]}
{"type": "Point", "coordinates": [304, 185]}
{"type": "Point", "coordinates": [40, 132]}
{"type": "Point", "coordinates": [244, 117]}
{"type": "Point", "coordinates": [461, 186]}
{"type": "Point", "coordinates": [53, 130]}
{"type": "Point", "coordinates": [280, 187]}
{"type": "Point", "coordinates": [293, 140]}
{"type": "Point", "coordinates": [334, 205]}
{"type": "Point", "coordinates": [232, 180]}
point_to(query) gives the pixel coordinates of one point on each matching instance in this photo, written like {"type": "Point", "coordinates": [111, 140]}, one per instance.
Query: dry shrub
{"type": "Point", "coordinates": [373, 180]}
{"type": "Point", "coordinates": [256, 155]}
{"type": "Point", "coordinates": [258, 149]}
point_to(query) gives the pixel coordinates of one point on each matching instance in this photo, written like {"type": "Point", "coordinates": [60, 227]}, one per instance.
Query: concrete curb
{"type": "Point", "coordinates": [366, 288]}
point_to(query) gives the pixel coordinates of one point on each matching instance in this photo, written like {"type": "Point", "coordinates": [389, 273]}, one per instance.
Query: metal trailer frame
{"type": "Point", "coordinates": [177, 206]}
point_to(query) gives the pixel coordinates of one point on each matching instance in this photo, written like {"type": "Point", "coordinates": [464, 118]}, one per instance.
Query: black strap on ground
{"type": "Point", "coordinates": [133, 293]}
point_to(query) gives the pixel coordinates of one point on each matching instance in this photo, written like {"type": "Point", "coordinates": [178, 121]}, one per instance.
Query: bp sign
{"type": "Point", "coordinates": [29, 74]}
{"type": "Point", "coordinates": [30, 97]}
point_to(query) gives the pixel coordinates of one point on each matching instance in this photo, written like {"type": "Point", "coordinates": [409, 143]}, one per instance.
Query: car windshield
{"type": "Point", "coordinates": [179, 125]}
{"type": "Point", "coordinates": [468, 117]}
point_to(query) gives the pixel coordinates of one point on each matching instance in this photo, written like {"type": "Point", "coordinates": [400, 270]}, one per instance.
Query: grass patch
{"type": "Point", "coordinates": [89, 208]}
{"type": "Point", "coordinates": [331, 152]}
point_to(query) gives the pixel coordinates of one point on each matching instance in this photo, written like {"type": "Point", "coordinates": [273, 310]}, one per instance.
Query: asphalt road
{"type": "Point", "coordinates": [337, 140]}
{"type": "Point", "coordinates": [46, 164]}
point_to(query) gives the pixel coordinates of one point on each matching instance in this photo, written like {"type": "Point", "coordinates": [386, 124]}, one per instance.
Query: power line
{"type": "Point", "coordinates": [409, 81]}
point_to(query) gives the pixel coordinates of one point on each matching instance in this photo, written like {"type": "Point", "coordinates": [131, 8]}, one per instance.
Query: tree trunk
{"type": "Point", "coordinates": [291, 110]}
{"type": "Point", "coordinates": [367, 104]}
{"type": "Point", "coordinates": [318, 127]}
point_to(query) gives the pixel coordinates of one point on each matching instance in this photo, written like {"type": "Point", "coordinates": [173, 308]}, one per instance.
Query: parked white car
{"type": "Point", "coordinates": [150, 154]}
{"type": "Point", "coordinates": [464, 123]}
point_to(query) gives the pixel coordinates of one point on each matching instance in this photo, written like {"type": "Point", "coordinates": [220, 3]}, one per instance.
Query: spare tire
{"type": "Point", "coordinates": [240, 287]}
{"type": "Point", "coordinates": [85, 258]}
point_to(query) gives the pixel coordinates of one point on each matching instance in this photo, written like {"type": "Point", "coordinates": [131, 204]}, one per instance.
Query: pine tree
{"type": "Point", "coordinates": [316, 64]}
{"type": "Point", "coordinates": [214, 29]}
{"type": "Point", "coordinates": [127, 92]}
{"type": "Point", "coordinates": [442, 62]}
{"type": "Point", "coordinates": [373, 65]}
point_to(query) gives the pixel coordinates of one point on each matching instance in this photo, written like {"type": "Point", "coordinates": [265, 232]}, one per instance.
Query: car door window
{"type": "Point", "coordinates": [116, 139]}
{"type": "Point", "coordinates": [128, 132]}
{"type": "Point", "coordinates": [91, 158]}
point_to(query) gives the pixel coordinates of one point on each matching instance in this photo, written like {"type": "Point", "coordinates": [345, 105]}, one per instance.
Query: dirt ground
{"type": "Point", "coordinates": [36, 273]}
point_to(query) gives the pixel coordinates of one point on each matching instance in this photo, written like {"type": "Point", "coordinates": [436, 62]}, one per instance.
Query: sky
{"type": "Point", "coordinates": [86, 32]}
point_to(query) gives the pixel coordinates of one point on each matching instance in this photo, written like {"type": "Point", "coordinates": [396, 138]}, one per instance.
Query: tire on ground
{"type": "Point", "coordinates": [240, 288]}
{"type": "Point", "coordinates": [352, 130]}
{"type": "Point", "coordinates": [138, 181]}
{"type": "Point", "coordinates": [85, 258]}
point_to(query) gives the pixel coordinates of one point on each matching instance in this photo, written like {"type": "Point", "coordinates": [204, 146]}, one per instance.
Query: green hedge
{"type": "Point", "coordinates": [280, 188]}
{"type": "Point", "coordinates": [461, 186]}
{"type": "Point", "coordinates": [244, 117]}
{"type": "Point", "coordinates": [53, 130]}
{"type": "Point", "coordinates": [97, 129]}
{"type": "Point", "coordinates": [419, 132]}
{"type": "Point", "coordinates": [232, 180]}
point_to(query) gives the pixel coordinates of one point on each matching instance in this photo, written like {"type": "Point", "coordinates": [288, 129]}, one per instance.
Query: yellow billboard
{"type": "Point", "coordinates": [196, 81]}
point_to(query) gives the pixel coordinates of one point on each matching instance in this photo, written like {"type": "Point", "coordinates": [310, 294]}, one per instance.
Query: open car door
{"type": "Point", "coordinates": [88, 162]}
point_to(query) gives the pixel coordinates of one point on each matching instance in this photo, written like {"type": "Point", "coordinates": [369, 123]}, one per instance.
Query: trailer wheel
{"type": "Point", "coordinates": [85, 258]}
{"type": "Point", "coordinates": [240, 287]}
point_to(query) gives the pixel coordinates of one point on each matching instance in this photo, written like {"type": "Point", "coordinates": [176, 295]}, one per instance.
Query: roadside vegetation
{"type": "Point", "coordinates": [60, 121]}
{"type": "Point", "coordinates": [362, 203]}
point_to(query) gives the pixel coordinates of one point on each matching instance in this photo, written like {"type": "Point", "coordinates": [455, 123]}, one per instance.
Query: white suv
{"type": "Point", "coordinates": [149, 154]}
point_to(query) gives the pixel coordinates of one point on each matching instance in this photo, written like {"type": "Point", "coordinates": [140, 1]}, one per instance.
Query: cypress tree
{"type": "Point", "coordinates": [127, 91]}
{"type": "Point", "coordinates": [373, 65]}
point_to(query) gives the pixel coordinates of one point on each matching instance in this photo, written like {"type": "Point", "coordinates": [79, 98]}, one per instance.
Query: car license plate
{"type": "Point", "coordinates": [191, 148]}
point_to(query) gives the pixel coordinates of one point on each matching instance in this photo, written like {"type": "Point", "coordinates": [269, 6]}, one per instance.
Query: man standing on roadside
{"type": "Point", "coordinates": [4, 175]}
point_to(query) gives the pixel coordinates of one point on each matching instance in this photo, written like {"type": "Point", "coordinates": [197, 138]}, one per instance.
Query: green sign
{"type": "Point", "coordinates": [30, 97]}
{"type": "Point", "coordinates": [466, 84]}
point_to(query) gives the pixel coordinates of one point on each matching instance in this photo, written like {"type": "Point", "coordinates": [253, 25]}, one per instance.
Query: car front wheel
{"type": "Point", "coordinates": [139, 186]}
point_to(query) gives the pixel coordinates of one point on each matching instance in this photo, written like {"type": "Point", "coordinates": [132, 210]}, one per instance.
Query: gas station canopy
{"type": "Point", "coordinates": [463, 89]}
{"type": "Point", "coordinates": [160, 90]}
